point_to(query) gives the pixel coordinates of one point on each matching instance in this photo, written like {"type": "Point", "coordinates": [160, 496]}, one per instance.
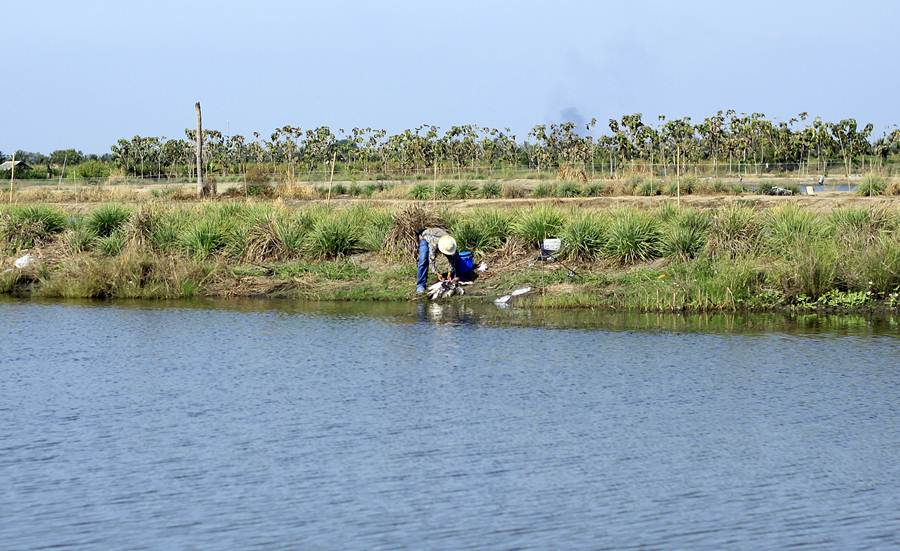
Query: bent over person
{"type": "Point", "coordinates": [432, 241]}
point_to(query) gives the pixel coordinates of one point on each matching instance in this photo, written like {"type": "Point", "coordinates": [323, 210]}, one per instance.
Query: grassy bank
{"type": "Point", "coordinates": [663, 258]}
{"type": "Point", "coordinates": [636, 186]}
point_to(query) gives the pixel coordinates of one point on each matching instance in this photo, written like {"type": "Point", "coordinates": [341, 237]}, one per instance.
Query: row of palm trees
{"type": "Point", "coordinates": [724, 143]}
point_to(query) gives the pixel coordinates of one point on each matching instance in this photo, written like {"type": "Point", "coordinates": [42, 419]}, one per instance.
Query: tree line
{"type": "Point", "coordinates": [724, 143]}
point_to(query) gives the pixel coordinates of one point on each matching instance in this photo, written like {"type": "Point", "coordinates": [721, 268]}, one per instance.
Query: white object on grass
{"type": "Point", "coordinates": [552, 245]}
{"type": "Point", "coordinates": [521, 291]}
{"type": "Point", "coordinates": [503, 300]}
{"type": "Point", "coordinates": [483, 267]}
{"type": "Point", "coordinates": [24, 260]}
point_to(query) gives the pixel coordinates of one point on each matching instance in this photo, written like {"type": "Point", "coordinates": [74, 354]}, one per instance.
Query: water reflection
{"type": "Point", "coordinates": [462, 312]}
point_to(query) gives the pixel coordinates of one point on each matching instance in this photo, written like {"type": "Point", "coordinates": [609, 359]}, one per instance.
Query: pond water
{"type": "Point", "coordinates": [278, 425]}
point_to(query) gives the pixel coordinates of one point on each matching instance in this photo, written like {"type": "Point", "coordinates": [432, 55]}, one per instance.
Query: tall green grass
{"type": "Point", "coordinates": [23, 227]}
{"type": "Point", "coordinates": [633, 236]}
{"type": "Point", "coordinates": [537, 223]}
{"type": "Point", "coordinates": [106, 219]}
{"type": "Point", "coordinates": [584, 236]}
{"type": "Point", "coordinates": [481, 231]}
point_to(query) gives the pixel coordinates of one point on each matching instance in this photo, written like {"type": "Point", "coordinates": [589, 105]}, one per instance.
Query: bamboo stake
{"type": "Point", "coordinates": [61, 174]}
{"type": "Point", "coordinates": [12, 178]}
{"type": "Point", "coordinates": [201, 189]}
{"type": "Point", "coordinates": [331, 178]}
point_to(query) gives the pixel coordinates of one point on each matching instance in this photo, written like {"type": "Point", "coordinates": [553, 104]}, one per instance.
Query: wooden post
{"type": "Point", "coordinates": [331, 178]}
{"type": "Point", "coordinates": [61, 174]}
{"type": "Point", "coordinates": [201, 189]}
{"type": "Point", "coordinates": [12, 177]}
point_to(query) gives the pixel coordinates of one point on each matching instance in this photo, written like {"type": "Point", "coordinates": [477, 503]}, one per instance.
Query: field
{"type": "Point", "coordinates": [650, 254]}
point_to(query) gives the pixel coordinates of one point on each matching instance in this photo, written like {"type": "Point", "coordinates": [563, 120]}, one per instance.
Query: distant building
{"type": "Point", "coordinates": [8, 165]}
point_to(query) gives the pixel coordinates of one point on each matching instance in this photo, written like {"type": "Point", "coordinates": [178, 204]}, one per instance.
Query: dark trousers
{"type": "Point", "coordinates": [422, 273]}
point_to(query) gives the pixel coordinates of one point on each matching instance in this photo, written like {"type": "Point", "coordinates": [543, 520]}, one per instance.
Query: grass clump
{"type": "Point", "coordinates": [543, 190]}
{"type": "Point", "coordinates": [568, 189]}
{"type": "Point", "coordinates": [734, 232]}
{"type": "Point", "coordinates": [632, 237]}
{"type": "Point", "coordinates": [788, 226]}
{"type": "Point", "coordinates": [491, 190]}
{"type": "Point", "coordinates": [871, 185]}
{"type": "Point", "coordinates": [272, 238]}
{"type": "Point", "coordinates": [207, 236]}
{"type": "Point", "coordinates": [27, 226]}
{"type": "Point", "coordinates": [594, 189]}
{"type": "Point", "coordinates": [401, 237]}
{"type": "Point", "coordinates": [112, 244]}
{"type": "Point", "coordinates": [537, 223]}
{"type": "Point", "coordinates": [584, 237]}
{"type": "Point", "coordinates": [420, 192]}
{"type": "Point", "coordinates": [335, 235]}
{"type": "Point", "coordinates": [465, 190]}
{"type": "Point", "coordinates": [481, 231]}
{"type": "Point", "coordinates": [106, 219]}
{"type": "Point", "coordinates": [685, 236]}
{"type": "Point", "coordinates": [512, 191]}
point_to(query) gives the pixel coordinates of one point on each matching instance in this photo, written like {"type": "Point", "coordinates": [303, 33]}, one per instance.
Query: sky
{"type": "Point", "coordinates": [83, 74]}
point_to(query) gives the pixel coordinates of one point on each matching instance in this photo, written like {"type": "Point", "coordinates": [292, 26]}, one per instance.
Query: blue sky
{"type": "Point", "coordinates": [81, 74]}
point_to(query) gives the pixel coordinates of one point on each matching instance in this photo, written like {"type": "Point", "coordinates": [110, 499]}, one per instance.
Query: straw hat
{"type": "Point", "coordinates": [447, 245]}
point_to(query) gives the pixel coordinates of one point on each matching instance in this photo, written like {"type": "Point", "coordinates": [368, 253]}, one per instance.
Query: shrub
{"type": "Point", "coordinates": [871, 185]}
{"type": "Point", "coordinates": [568, 189]}
{"type": "Point", "coordinates": [491, 190]}
{"type": "Point", "coordinates": [106, 219]}
{"type": "Point", "coordinates": [257, 175]}
{"type": "Point", "coordinates": [27, 226]}
{"type": "Point", "coordinates": [537, 223]}
{"type": "Point", "coordinates": [632, 236]}
{"type": "Point", "coordinates": [92, 169]}
{"type": "Point", "coordinates": [583, 236]}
